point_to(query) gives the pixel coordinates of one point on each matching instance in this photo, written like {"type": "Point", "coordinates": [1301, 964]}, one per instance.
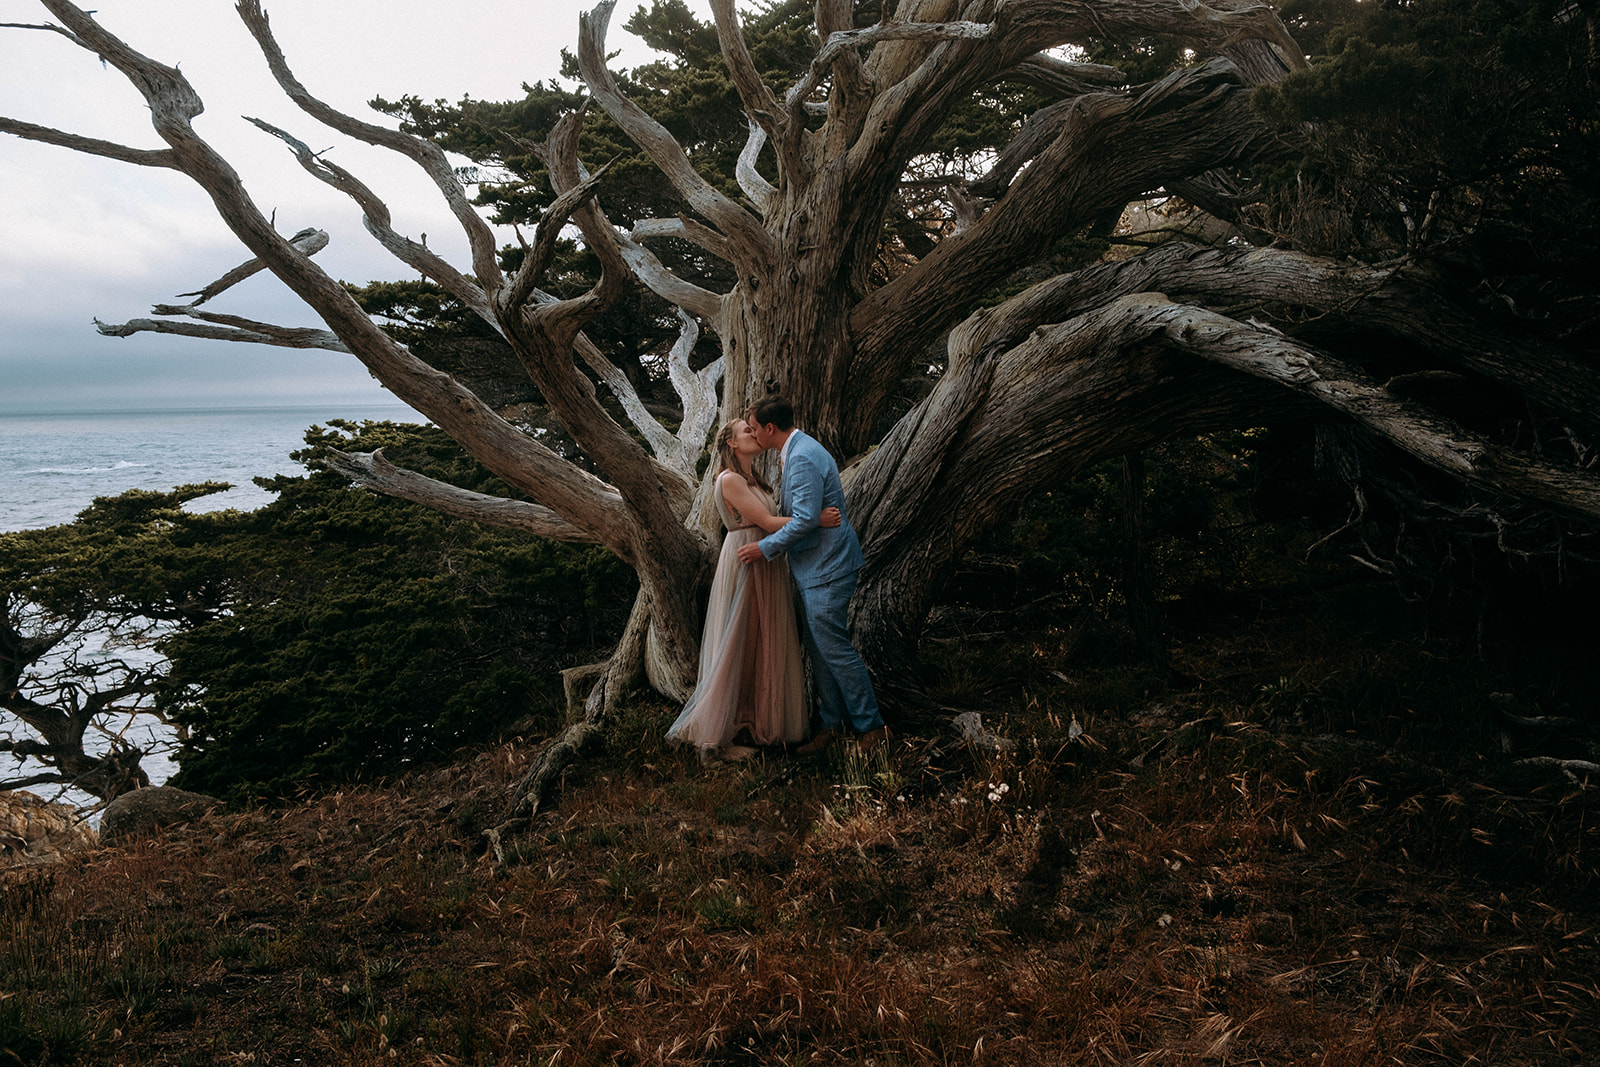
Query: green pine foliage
{"type": "Point", "coordinates": [121, 558]}
{"type": "Point", "coordinates": [378, 633]}
{"type": "Point", "coordinates": [1468, 129]}
{"type": "Point", "coordinates": [1141, 60]}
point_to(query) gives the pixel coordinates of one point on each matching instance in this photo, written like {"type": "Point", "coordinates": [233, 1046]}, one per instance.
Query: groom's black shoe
{"type": "Point", "coordinates": [826, 739]}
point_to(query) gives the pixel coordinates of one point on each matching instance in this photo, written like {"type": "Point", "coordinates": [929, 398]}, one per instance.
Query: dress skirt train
{"type": "Point", "coordinates": [751, 673]}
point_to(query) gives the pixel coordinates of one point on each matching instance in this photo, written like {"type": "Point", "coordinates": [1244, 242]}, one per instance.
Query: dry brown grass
{"type": "Point", "coordinates": [1202, 881]}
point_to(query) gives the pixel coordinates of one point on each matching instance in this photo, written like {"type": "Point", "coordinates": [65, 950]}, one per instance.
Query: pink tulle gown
{"type": "Point", "coordinates": [750, 668]}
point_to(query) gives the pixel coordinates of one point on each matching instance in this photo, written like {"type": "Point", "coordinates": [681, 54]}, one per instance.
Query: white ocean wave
{"type": "Point", "coordinates": [119, 466]}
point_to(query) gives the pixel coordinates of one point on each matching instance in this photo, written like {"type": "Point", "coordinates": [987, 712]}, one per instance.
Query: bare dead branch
{"type": "Point", "coordinates": [1345, 389]}
{"type": "Point", "coordinates": [621, 387]}
{"type": "Point", "coordinates": [309, 241]}
{"type": "Point", "coordinates": [653, 138]}
{"type": "Point", "coordinates": [757, 188]}
{"type": "Point", "coordinates": [429, 156]}
{"type": "Point", "coordinates": [685, 229]}
{"type": "Point", "coordinates": [1063, 78]}
{"type": "Point", "coordinates": [211, 328]}
{"type": "Point", "coordinates": [667, 285]}
{"type": "Point", "coordinates": [376, 218]}
{"type": "Point", "coordinates": [758, 99]}
{"type": "Point", "coordinates": [372, 470]}
{"type": "Point", "coordinates": [697, 391]}
{"type": "Point", "coordinates": [1099, 152]}
{"type": "Point", "coordinates": [844, 41]}
{"type": "Point", "coordinates": [561, 320]}
{"type": "Point", "coordinates": [537, 259]}
{"type": "Point", "coordinates": [761, 106]}
{"type": "Point", "coordinates": [35, 779]}
{"type": "Point", "coordinates": [172, 99]}
{"type": "Point", "coordinates": [662, 443]}
{"type": "Point", "coordinates": [47, 26]}
{"type": "Point", "coordinates": [532, 468]}
{"type": "Point", "coordinates": [1402, 299]}
{"type": "Point", "coordinates": [144, 157]}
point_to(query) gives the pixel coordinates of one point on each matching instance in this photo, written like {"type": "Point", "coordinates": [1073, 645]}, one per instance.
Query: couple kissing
{"type": "Point", "coordinates": [799, 546]}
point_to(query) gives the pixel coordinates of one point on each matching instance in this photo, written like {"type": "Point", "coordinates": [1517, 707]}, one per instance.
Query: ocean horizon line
{"type": "Point", "coordinates": [225, 409]}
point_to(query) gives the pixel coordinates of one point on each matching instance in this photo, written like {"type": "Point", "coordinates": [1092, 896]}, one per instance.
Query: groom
{"type": "Point", "coordinates": [824, 564]}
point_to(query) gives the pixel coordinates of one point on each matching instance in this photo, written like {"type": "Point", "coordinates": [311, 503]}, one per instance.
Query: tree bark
{"type": "Point", "coordinates": [1006, 419]}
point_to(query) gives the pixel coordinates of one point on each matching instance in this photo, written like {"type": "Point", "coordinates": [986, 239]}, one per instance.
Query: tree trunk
{"type": "Point", "coordinates": [1002, 423]}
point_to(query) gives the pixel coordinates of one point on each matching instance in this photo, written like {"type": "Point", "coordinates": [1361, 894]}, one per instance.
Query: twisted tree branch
{"type": "Point", "coordinates": [429, 156]}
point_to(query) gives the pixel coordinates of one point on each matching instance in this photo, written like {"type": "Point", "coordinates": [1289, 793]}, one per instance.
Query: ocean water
{"type": "Point", "coordinates": [52, 466]}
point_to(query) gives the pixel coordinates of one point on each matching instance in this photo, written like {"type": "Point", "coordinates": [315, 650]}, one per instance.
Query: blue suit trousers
{"type": "Point", "coordinates": [844, 686]}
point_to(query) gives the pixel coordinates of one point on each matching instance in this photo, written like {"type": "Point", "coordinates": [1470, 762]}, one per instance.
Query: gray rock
{"type": "Point", "coordinates": [145, 811]}
{"type": "Point", "coordinates": [969, 724]}
{"type": "Point", "coordinates": [35, 830]}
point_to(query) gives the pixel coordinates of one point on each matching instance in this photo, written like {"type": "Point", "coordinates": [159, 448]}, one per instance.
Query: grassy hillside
{"type": "Point", "coordinates": [1317, 847]}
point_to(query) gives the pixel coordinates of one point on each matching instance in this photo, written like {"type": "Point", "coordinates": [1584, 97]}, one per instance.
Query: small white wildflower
{"type": "Point", "coordinates": [1165, 921]}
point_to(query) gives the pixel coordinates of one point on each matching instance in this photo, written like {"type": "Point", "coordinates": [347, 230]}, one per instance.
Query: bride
{"type": "Point", "coordinates": [752, 684]}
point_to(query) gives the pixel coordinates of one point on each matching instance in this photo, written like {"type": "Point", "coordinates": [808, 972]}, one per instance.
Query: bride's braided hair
{"type": "Point", "coordinates": [728, 461]}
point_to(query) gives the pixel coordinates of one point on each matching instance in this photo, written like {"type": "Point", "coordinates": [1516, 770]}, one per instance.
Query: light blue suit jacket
{"type": "Point", "coordinates": [811, 483]}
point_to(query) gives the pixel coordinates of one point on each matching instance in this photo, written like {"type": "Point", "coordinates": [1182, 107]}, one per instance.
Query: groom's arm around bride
{"type": "Point", "coordinates": [805, 491]}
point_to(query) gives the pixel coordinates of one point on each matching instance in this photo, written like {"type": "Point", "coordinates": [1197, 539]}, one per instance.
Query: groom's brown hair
{"type": "Point", "coordinates": [774, 411]}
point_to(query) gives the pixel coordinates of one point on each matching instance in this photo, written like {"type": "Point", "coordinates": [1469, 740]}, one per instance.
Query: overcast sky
{"type": "Point", "coordinates": [83, 238]}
